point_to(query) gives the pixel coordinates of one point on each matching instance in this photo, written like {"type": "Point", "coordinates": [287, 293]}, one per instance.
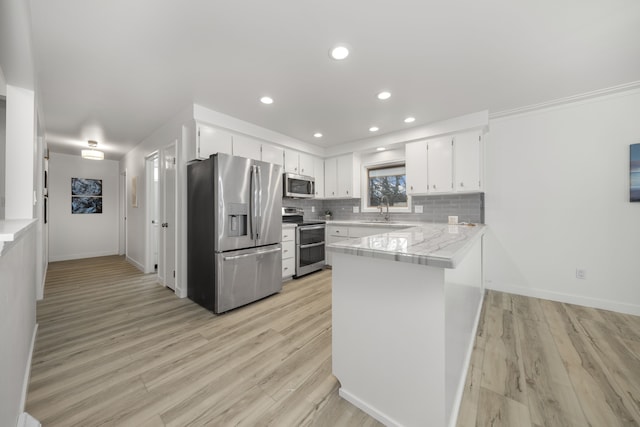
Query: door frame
{"type": "Point", "coordinates": [149, 265]}
{"type": "Point", "coordinates": [124, 194]}
{"type": "Point", "coordinates": [173, 222]}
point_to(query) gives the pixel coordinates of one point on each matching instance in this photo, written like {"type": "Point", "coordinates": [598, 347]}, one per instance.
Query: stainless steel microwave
{"type": "Point", "coordinates": [298, 186]}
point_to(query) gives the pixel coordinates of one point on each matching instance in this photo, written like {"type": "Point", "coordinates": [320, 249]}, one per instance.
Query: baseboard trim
{"type": "Point", "coordinates": [135, 263]}
{"type": "Point", "coordinates": [27, 371]}
{"type": "Point", "coordinates": [455, 408]}
{"type": "Point", "coordinates": [40, 292]}
{"type": "Point", "coordinates": [619, 307]}
{"type": "Point", "coordinates": [67, 257]}
{"type": "Point", "coordinates": [26, 420]}
{"type": "Point", "coordinates": [387, 421]}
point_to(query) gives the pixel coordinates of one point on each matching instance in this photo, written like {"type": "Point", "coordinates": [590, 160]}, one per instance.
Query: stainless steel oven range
{"type": "Point", "coordinates": [309, 241]}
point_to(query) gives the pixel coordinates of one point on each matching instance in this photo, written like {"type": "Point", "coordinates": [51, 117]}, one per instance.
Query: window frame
{"type": "Point", "coordinates": [364, 200]}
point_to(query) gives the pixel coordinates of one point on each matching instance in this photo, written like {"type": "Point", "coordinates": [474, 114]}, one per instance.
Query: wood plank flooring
{"type": "Point", "coordinates": [542, 363]}
{"type": "Point", "coordinates": [116, 348]}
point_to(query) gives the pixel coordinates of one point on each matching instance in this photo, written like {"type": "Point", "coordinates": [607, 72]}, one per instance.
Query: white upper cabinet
{"type": "Point", "coordinates": [331, 178]}
{"type": "Point", "coordinates": [445, 165]}
{"type": "Point", "coordinates": [467, 152]}
{"type": "Point", "coordinates": [210, 140]}
{"type": "Point", "coordinates": [318, 169]}
{"type": "Point", "coordinates": [245, 146]}
{"type": "Point", "coordinates": [251, 148]}
{"type": "Point", "coordinates": [272, 154]}
{"type": "Point", "coordinates": [415, 162]}
{"type": "Point", "coordinates": [342, 177]}
{"type": "Point", "coordinates": [440, 165]}
{"type": "Point", "coordinates": [306, 164]}
{"type": "Point", "coordinates": [298, 163]}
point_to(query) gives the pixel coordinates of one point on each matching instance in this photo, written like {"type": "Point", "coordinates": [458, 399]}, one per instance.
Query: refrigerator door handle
{"type": "Point", "coordinates": [231, 258]}
{"type": "Point", "coordinates": [252, 203]}
{"type": "Point", "coordinates": [258, 204]}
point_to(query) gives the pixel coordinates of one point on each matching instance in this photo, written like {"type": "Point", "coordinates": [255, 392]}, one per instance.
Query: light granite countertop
{"type": "Point", "coordinates": [436, 245]}
{"type": "Point", "coordinates": [381, 224]}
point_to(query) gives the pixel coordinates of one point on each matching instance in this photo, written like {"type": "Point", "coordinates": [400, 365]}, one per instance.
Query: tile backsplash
{"type": "Point", "coordinates": [436, 208]}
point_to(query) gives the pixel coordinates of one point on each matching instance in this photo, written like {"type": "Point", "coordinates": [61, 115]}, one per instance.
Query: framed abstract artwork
{"type": "Point", "coordinates": [86, 196]}
{"type": "Point", "coordinates": [634, 173]}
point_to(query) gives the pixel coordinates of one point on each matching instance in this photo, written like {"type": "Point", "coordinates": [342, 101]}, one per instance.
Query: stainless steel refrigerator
{"type": "Point", "coordinates": [234, 231]}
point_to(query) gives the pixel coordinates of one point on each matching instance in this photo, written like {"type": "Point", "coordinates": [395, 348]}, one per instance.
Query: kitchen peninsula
{"type": "Point", "coordinates": [405, 310]}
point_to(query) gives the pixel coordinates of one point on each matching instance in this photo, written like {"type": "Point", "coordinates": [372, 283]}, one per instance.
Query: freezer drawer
{"type": "Point", "coordinates": [247, 275]}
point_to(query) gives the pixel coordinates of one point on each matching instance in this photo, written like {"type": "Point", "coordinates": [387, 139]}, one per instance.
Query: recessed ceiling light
{"type": "Point", "coordinates": [317, 135]}
{"type": "Point", "coordinates": [339, 52]}
{"type": "Point", "coordinates": [380, 149]}
{"type": "Point", "coordinates": [410, 120]}
{"type": "Point", "coordinates": [384, 95]}
{"type": "Point", "coordinates": [266, 100]}
{"type": "Point", "coordinates": [374, 129]}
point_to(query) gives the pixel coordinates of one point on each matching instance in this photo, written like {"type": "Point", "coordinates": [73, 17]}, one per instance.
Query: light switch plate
{"type": "Point", "coordinates": [356, 209]}
{"type": "Point", "coordinates": [453, 219]}
{"type": "Point", "coordinates": [313, 209]}
{"type": "Point", "coordinates": [418, 208]}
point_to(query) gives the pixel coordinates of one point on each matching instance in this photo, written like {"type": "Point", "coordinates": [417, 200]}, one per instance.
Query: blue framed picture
{"type": "Point", "coordinates": [86, 196]}
{"type": "Point", "coordinates": [634, 173]}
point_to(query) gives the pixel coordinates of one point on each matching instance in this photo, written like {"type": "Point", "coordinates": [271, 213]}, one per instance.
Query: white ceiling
{"type": "Point", "coordinates": [116, 70]}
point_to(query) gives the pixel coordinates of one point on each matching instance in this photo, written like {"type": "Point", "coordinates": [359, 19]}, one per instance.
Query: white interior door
{"type": "Point", "coordinates": [152, 172]}
{"type": "Point", "coordinates": [169, 228]}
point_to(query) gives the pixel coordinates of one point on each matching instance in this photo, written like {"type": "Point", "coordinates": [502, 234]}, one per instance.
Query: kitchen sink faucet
{"type": "Point", "coordinates": [384, 198]}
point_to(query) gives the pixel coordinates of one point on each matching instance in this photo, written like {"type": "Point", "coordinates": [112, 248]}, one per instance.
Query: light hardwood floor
{"type": "Point", "coordinates": [116, 348]}
{"type": "Point", "coordinates": [542, 363]}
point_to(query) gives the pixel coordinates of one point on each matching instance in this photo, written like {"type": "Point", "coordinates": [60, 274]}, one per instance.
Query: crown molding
{"type": "Point", "coordinates": [567, 100]}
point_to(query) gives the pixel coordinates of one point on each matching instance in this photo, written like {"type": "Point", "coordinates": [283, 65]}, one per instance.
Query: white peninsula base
{"type": "Point", "coordinates": [403, 335]}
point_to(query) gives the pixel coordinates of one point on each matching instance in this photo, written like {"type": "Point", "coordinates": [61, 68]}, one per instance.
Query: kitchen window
{"type": "Point", "coordinates": [387, 183]}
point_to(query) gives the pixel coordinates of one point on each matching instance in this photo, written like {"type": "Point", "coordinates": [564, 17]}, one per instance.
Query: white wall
{"type": "Point", "coordinates": [17, 323]}
{"type": "Point", "coordinates": [73, 236]}
{"type": "Point", "coordinates": [3, 129]}
{"type": "Point", "coordinates": [134, 165]}
{"type": "Point", "coordinates": [557, 191]}
{"type": "Point", "coordinates": [20, 149]}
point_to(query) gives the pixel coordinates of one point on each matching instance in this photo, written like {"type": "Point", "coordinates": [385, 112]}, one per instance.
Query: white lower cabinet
{"type": "Point", "coordinates": [337, 233]}
{"type": "Point", "coordinates": [288, 251]}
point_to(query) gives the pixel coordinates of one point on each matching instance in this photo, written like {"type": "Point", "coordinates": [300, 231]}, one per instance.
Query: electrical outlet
{"type": "Point", "coordinates": [313, 209]}
{"type": "Point", "coordinates": [418, 208]}
{"type": "Point", "coordinates": [581, 273]}
{"type": "Point", "coordinates": [453, 219]}
{"type": "Point", "coordinates": [356, 209]}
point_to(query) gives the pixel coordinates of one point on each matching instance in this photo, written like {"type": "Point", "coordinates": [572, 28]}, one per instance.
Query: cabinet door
{"type": "Point", "coordinates": [305, 164]}
{"type": "Point", "coordinates": [318, 174]}
{"type": "Point", "coordinates": [467, 148]}
{"type": "Point", "coordinates": [416, 164]}
{"type": "Point", "coordinates": [272, 154]}
{"type": "Point", "coordinates": [331, 178]}
{"type": "Point", "coordinates": [345, 176]}
{"type": "Point", "coordinates": [440, 165]}
{"type": "Point", "coordinates": [291, 161]}
{"type": "Point", "coordinates": [245, 146]}
{"type": "Point", "coordinates": [211, 141]}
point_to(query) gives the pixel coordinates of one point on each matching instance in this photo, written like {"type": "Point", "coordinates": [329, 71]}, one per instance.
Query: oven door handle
{"type": "Point", "coordinates": [310, 227]}
{"type": "Point", "coordinates": [311, 245]}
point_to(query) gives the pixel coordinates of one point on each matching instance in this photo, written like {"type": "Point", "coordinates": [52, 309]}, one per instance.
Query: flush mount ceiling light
{"type": "Point", "coordinates": [317, 135]}
{"type": "Point", "coordinates": [380, 149]}
{"type": "Point", "coordinates": [374, 129]}
{"type": "Point", "coordinates": [410, 120]}
{"type": "Point", "coordinates": [92, 153]}
{"type": "Point", "coordinates": [339, 52]}
{"type": "Point", "coordinates": [384, 95]}
{"type": "Point", "coordinates": [266, 100]}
